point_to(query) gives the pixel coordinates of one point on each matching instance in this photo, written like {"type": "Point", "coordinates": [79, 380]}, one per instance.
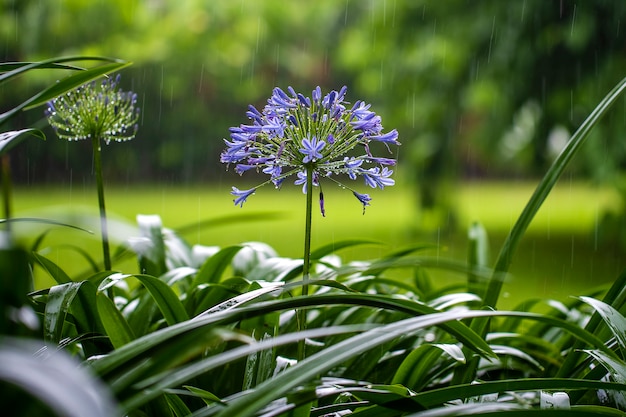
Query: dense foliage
{"type": "Point", "coordinates": [480, 89]}
{"type": "Point", "coordinates": [208, 331]}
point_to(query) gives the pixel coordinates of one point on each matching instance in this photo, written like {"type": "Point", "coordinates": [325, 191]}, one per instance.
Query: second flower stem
{"type": "Point", "coordinates": [103, 217]}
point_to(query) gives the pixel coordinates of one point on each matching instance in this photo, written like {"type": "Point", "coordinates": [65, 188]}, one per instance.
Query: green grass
{"type": "Point", "coordinates": [559, 256]}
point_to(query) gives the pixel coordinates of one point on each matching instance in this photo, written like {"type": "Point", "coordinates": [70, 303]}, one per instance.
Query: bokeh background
{"type": "Point", "coordinates": [481, 92]}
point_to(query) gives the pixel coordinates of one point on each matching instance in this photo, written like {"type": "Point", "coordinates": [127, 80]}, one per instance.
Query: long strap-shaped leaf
{"type": "Point", "coordinates": [10, 70]}
{"type": "Point", "coordinates": [9, 139]}
{"type": "Point", "coordinates": [171, 307]}
{"type": "Point", "coordinates": [443, 395]}
{"type": "Point", "coordinates": [63, 86]}
{"type": "Point", "coordinates": [543, 189]}
{"type": "Point", "coordinates": [263, 394]}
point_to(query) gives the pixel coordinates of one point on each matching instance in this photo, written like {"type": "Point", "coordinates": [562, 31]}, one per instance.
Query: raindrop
{"type": "Point", "coordinates": [493, 29]}
{"type": "Point", "coordinates": [573, 20]}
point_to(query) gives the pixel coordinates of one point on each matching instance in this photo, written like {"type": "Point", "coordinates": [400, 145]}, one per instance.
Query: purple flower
{"type": "Point", "coordinates": [241, 195]}
{"type": "Point", "coordinates": [311, 149]}
{"type": "Point", "coordinates": [383, 161]}
{"type": "Point", "coordinates": [375, 177]}
{"type": "Point", "coordinates": [363, 198]}
{"type": "Point", "coordinates": [322, 134]}
{"type": "Point", "coordinates": [389, 137]}
{"type": "Point", "coordinates": [302, 180]}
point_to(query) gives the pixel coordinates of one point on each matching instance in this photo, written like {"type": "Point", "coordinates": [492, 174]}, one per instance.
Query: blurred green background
{"type": "Point", "coordinates": [483, 93]}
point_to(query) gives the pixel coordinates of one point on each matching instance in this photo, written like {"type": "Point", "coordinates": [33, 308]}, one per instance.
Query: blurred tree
{"type": "Point", "coordinates": [490, 87]}
{"type": "Point", "coordinates": [474, 88]}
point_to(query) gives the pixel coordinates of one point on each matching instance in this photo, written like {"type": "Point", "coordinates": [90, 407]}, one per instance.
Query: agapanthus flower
{"type": "Point", "coordinates": [325, 135]}
{"type": "Point", "coordinates": [96, 109]}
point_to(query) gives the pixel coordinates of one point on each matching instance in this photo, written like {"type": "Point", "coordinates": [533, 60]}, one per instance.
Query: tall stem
{"type": "Point", "coordinates": [103, 217]}
{"type": "Point", "coordinates": [6, 189]}
{"type": "Point", "coordinates": [301, 314]}
{"type": "Point", "coordinates": [307, 230]}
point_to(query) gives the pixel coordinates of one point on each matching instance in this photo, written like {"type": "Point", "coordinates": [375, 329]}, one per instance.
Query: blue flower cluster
{"type": "Point", "coordinates": [324, 135]}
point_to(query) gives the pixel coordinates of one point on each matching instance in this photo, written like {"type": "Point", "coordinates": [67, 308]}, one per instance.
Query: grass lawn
{"type": "Point", "coordinates": [559, 256]}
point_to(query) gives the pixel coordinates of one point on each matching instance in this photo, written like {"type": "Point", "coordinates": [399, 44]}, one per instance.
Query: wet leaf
{"type": "Point", "coordinates": [9, 140]}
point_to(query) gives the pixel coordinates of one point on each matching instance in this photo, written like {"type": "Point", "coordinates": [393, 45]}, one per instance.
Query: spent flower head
{"type": "Point", "coordinates": [325, 135]}
{"type": "Point", "coordinates": [99, 110]}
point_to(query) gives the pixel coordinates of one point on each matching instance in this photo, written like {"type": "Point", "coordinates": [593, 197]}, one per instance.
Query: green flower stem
{"type": "Point", "coordinates": [307, 229]}
{"type": "Point", "coordinates": [301, 314]}
{"type": "Point", "coordinates": [6, 189]}
{"type": "Point", "coordinates": [103, 218]}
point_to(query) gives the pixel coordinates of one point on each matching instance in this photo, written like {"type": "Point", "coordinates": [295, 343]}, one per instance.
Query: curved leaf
{"type": "Point", "coordinates": [616, 367]}
{"type": "Point", "coordinates": [62, 87]}
{"type": "Point", "coordinates": [43, 221]}
{"type": "Point", "coordinates": [8, 140]}
{"type": "Point", "coordinates": [275, 269]}
{"type": "Point", "coordinates": [613, 319]}
{"type": "Point", "coordinates": [170, 306]}
{"type": "Point", "coordinates": [543, 189]}
{"type": "Point", "coordinates": [439, 396]}
{"type": "Point", "coordinates": [59, 299]}
{"type": "Point", "coordinates": [51, 268]}
{"type": "Point", "coordinates": [13, 69]}
{"type": "Point", "coordinates": [335, 246]}
{"type": "Point", "coordinates": [213, 268]}
{"type": "Point", "coordinates": [117, 329]}
{"type": "Point", "coordinates": [51, 377]}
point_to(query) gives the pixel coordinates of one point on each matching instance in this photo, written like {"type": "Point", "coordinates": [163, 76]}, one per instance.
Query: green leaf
{"type": "Point", "coordinates": [335, 246]}
{"type": "Point", "coordinates": [242, 299]}
{"type": "Point", "coordinates": [208, 397]}
{"type": "Point", "coordinates": [177, 405]}
{"type": "Point", "coordinates": [207, 296]}
{"type": "Point", "coordinates": [13, 69]}
{"type": "Point", "coordinates": [84, 309]}
{"type": "Point", "coordinates": [59, 299]}
{"type": "Point", "coordinates": [543, 189]}
{"type": "Point", "coordinates": [44, 221]}
{"type": "Point", "coordinates": [616, 367]}
{"type": "Point", "coordinates": [55, 379]}
{"type": "Point", "coordinates": [62, 87]}
{"type": "Point", "coordinates": [396, 259]}
{"type": "Point", "coordinates": [615, 296]}
{"type": "Point", "coordinates": [415, 369]}
{"type": "Point", "coordinates": [276, 269]}
{"type": "Point", "coordinates": [151, 250]}
{"type": "Point", "coordinates": [252, 401]}
{"type": "Point", "coordinates": [51, 268]}
{"type": "Point", "coordinates": [613, 319]}
{"type": "Point", "coordinates": [381, 394]}
{"type": "Point", "coordinates": [149, 388]}
{"type": "Point", "coordinates": [478, 257]}
{"type": "Point", "coordinates": [170, 306]}
{"type": "Point", "coordinates": [230, 219]}
{"type": "Point", "coordinates": [8, 140]}
{"type": "Point", "coordinates": [440, 396]}
{"type": "Point", "coordinates": [76, 80]}
{"type": "Point", "coordinates": [77, 298]}
{"type": "Point", "coordinates": [213, 268]}
{"type": "Point", "coordinates": [117, 329]}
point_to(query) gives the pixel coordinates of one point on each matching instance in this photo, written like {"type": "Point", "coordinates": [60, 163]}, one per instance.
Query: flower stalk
{"type": "Point", "coordinates": [97, 160]}
{"type": "Point", "coordinates": [306, 266]}
{"type": "Point", "coordinates": [313, 138]}
{"type": "Point", "coordinates": [102, 113]}
{"type": "Point", "coordinates": [5, 174]}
